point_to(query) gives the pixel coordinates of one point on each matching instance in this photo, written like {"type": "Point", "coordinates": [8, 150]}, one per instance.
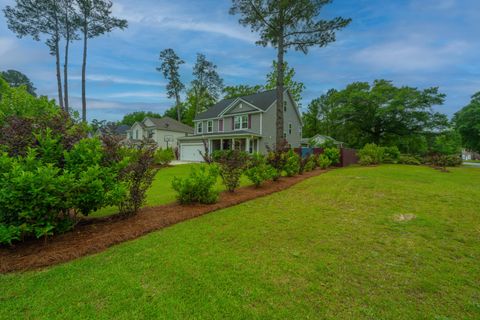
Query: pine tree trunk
{"type": "Point", "coordinates": [59, 76]}
{"type": "Point", "coordinates": [280, 70]}
{"type": "Point", "coordinates": [84, 67]}
{"type": "Point", "coordinates": [65, 68]}
{"type": "Point", "coordinates": [177, 98]}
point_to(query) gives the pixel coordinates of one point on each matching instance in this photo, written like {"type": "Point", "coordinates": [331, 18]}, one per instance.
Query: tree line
{"type": "Point", "coordinates": [57, 21]}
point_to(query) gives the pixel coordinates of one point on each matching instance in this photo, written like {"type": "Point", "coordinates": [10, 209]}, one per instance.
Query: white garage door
{"type": "Point", "coordinates": [191, 151]}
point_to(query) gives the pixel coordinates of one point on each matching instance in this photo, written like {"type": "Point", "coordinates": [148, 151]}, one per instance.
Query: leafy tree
{"type": "Point", "coordinates": [95, 19]}
{"type": "Point", "coordinates": [240, 91]}
{"type": "Point", "coordinates": [169, 67]}
{"type": "Point", "coordinates": [467, 122]}
{"type": "Point", "coordinates": [318, 117]}
{"type": "Point", "coordinates": [295, 88]}
{"type": "Point", "coordinates": [206, 85]}
{"type": "Point", "coordinates": [173, 112]}
{"type": "Point", "coordinates": [381, 113]}
{"type": "Point", "coordinates": [16, 79]}
{"type": "Point", "coordinates": [36, 19]}
{"type": "Point", "coordinates": [137, 116]}
{"type": "Point", "coordinates": [285, 25]}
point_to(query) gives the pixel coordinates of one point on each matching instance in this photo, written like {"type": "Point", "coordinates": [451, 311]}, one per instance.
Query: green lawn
{"type": "Point", "coordinates": [327, 248]}
{"type": "Point", "coordinates": [474, 161]}
{"type": "Point", "coordinates": [161, 191]}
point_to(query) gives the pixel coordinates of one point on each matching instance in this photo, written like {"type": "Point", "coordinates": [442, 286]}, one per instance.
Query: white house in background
{"type": "Point", "coordinates": [245, 123]}
{"type": "Point", "coordinates": [319, 139]}
{"type": "Point", "coordinates": [165, 131]}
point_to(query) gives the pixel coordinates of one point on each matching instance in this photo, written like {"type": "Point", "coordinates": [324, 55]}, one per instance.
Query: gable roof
{"type": "Point", "coordinates": [261, 100]}
{"type": "Point", "coordinates": [169, 124]}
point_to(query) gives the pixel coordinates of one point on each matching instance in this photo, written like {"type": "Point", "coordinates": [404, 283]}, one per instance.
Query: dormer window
{"type": "Point", "coordinates": [199, 127]}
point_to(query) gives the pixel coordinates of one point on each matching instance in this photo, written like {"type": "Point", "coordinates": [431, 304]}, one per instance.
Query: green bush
{"type": "Point", "coordinates": [163, 157]}
{"type": "Point", "coordinates": [323, 161]}
{"type": "Point", "coordinates": [199, 186]}
{"type": "Point", "coordinates": [310, 164]}
{"type": "Point", "coordinates": [371, 154]}
{"type": "Point", "coordinates": [232, 164]}
{"type": "Point", "coordinates": [332, 153]}
{"type": "Point", "coordinates": [258, 170]}
{"type": "Point", "coordinates": [443, 160]}
{"type": "Point", "coordinates": [391, 155]}
{"type": "Point", "coordinates": [409, 159]}
{"type": "Point", "coordinates": [292, 164]}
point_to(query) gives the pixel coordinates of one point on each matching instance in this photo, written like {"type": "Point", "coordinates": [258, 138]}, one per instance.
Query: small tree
{"type": "Point", "coordinates": [169, 68]}
{"type": "Point", "coordinates": [206, 83]}
{"type": "Point", "coordinates": [16, 79]}
{"type": "Point", "coordinates": [232, 164]}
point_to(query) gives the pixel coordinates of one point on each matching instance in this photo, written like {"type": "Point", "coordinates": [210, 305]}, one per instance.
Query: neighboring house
{"type": "Point", "coordinates": [319, 139]}
{"type": "Point", "coordinates": [470, 155]}
{"type": "Point", "coordinates": [246, 123]}
{"type": "Point", "coordinates": [165, 132]}
{"type": "Point", "coordinates": [118, 131]}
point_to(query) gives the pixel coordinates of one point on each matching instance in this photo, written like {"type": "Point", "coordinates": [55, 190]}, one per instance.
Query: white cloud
{"type": "Point", "coordinates": [118, 80]}
{"type": "Point", "coordinates": [136, 94]}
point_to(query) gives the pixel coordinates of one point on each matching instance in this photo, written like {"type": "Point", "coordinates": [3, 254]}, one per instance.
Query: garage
{"type": "Point", "coordinates": [191, 152]}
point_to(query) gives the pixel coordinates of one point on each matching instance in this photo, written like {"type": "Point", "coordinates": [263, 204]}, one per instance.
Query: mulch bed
{"type": "Point", "coordinates": [97, 234]}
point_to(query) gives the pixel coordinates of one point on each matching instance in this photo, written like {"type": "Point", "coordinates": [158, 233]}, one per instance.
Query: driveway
{"type": "Point", "coordinates": [472, 164]}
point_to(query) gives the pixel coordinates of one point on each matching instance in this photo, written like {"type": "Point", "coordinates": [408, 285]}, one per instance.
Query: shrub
{"type": "Point", "coordinates": [231, 165]}
{"type": "Point", "coordinates": [310, 164]}
{"type": "Point", "coordinates": [137, 177]}
{"type": "Point", "coordinates": [409, 159]}
{"type": "Point", "coordinates": [199, 186]}
{"type": "Point", "coordinates": [371, 154]}
{"type": "Point", "coordinates": [443, 161]}
{"type": "Point", "coordinates": [333, 154]}
{"type": "Point", "coordinates": [391, 155]}
{"type": "Point", "coordinates": [164, 157]}
{"type": "Point", "coordinates": [292, 163]}
{"type": "Point", "coordinates": [277, 159]}
{"type": "Point", "coordinates": [323, 161]}
{"type": "Point", "coordinates": [258, 170]}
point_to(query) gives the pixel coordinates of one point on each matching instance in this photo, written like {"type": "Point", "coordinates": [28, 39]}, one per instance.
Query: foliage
{"type": "Point", "coordinates": [258, 170]}
{"type": "Point", "coordinates": [170, 69]}
{"type": "Point", "coordinates": [138, 116]}
{"type": "Point", "coordinates": [333, 154]}
{"type": "Point", "coordinates": [380, 113]}
{"type": "Point", "coordinates": [242, 90]}
{"type": "Point", "coordinates": [467, 122]}
{"type": "Point", "coordinates": [391, 155]}
{"type": "Point", "coordinates": [409, 159]}
{"type": "Point", "coordinates": [371, 154]}
{"type": "Point", "coordinates": [206, 85]}
{"type": "Point", "coordinates": [137, 176]}
{"type": "Point", "coordinates": [232, 164]}
{"type": "Point", "coordinates": [310, 164]}
{"type": "Point", "coordinates": [323, 161]}
{"type": "Point", "coordinates": [163, 157]}
{"type": "Point", "coordinates": [198, 187]}
{"type": "Point", "coordinates": [16, 79]}
{"type": "Point", "coordinates": [296, 88]}
{"type": "Point", "coordinates": [292, 163]}
{"type": "Point", "coordinates": [277, 158]}
{"type": "Point", "coordinates": [447, 143]}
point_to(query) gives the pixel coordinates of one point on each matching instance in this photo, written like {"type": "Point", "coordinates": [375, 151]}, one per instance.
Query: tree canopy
{"type": "Point", "coordinates": [137, 116]}
{"type": "Point", "coordinates": [240, 90]}
{"type": "Point", "coordinates": [467, 122]}
{"type": "Point", "coordinates": [16, 79]}
{"type": "Point", "coordinates": [296, 88]}
{"type": "Point", "coordinates": [206, 85]}
{"type": "Point", "coordinates": [170, 65]}
{"type": "Point", "coordinates": [380, 113]}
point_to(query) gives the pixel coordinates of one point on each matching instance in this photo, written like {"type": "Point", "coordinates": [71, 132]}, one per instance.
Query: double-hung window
{"type": "Point", "coordinates": [210, 126]}
{"type": "Point", "coordinates": [199, 127]}
{"type": "Point", "coordinates": [241, 122]}
{"type": "Point", "coordinates": [289, 128]}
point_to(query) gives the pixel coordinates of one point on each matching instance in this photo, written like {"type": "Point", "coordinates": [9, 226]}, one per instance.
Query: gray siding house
{"type": "Point", "coordinates": [245, 123]}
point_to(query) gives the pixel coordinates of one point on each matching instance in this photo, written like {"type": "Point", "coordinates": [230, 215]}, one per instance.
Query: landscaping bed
{"type": "Point", "coordinates": [93, 235]}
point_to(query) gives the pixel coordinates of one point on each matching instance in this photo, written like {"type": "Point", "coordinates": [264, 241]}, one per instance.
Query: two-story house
{"type": "Point", "coordinates": [165, 132]}
{"type": "Point", "coordinates": [246, 123]}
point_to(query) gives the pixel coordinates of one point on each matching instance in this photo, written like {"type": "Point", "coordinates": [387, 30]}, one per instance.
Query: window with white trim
{"type": "Point", "coordinates": [241, 122]}
{"type": "Point", "coordinates": [290, 128]}
{"type": "Point", "coordinates": [210, 126]}
{"type": "Point", "coordinates": [199, 127]}
{"type": "Point", "coordinates": [285, 106]}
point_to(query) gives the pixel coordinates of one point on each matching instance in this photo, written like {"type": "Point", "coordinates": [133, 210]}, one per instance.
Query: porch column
{"type": "Point", "coordinates": [221, 143]}
{"type": "Point", "coordinates": [233, 144]}
{"type": "Point", "coordinates": [247, 144]}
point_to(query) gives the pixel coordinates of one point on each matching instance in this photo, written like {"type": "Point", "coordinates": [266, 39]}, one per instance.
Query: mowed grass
{"type": "Point", "coordinates": [327, 248]}
{"type": "Point", "coordinates": [161, 191]}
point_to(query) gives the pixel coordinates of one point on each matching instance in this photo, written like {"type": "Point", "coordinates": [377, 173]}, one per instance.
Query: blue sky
{"type": "Point", "coordinates": [419, 43]}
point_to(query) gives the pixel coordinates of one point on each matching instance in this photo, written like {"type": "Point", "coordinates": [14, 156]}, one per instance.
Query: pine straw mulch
{"type": "Point", "coordinates": [94, 235]}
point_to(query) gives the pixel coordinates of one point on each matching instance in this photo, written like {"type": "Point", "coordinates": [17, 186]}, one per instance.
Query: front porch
{"type": "Point", "coordinates": [247, 144]}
